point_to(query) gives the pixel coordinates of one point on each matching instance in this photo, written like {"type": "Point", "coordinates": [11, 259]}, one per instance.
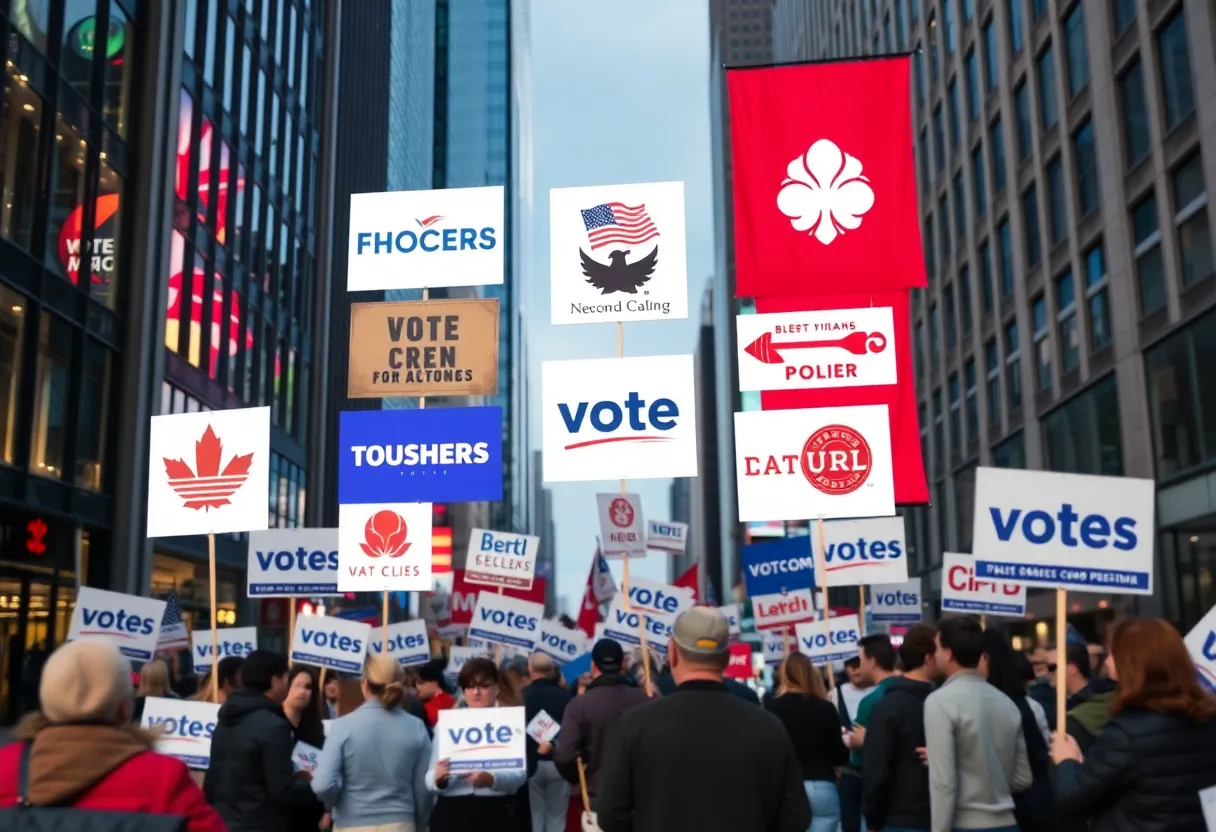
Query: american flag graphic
{"type": "Point", "coordinates": [615, 223]}
{"type": "Point", "coordinates": [173, 635]}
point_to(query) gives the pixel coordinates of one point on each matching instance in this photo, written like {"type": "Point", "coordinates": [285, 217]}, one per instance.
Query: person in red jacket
{"type": "Point", "coordinates": [86, 754]}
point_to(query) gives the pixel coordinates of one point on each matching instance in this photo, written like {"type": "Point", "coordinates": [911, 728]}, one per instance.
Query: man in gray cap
{"type": "Point", "coordinates": [705, 741]}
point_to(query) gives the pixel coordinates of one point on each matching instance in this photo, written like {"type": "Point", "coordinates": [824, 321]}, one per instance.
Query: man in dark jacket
{"type": "Point", "coordinates": [548, 791]}
{"type": "Point", "coordinates": [250, 781]}
{"type": "Point", "coordinates": [590, 719]}
{"type": "Point", "coordinates": [895, 783]}
{"type": "Point", "coordinates": [703, 741]}
{"type": "Point", "coordinates": [667, 684]}
{"type": "Point", "coordinates": [1089, 698]}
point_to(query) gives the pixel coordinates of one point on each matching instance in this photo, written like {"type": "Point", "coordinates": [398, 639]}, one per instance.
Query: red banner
{"type": "Point", "coordinates": [900, 398]}
{"type": "Point", "coordinates": [464, 596]}
{"type": "Point", "coordinates": [824, 179]}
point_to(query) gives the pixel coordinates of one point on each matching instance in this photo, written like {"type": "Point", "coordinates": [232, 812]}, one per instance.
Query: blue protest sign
{"type": "Point", "coordinates": [437, 455]}
{"type": "Point", "coordinates": [575, 668]}
{"type": "Point", "coordinates": [779, 566]}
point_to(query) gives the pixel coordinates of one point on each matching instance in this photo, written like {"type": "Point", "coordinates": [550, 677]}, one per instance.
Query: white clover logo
{"type": "Point", "coordinates": [825, 193]}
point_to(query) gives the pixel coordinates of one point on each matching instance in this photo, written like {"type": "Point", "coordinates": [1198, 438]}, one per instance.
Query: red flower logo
{"type": "Point", "coordinates": [207, 486]}
{"type": "Point", "coordinates": [385, 534]}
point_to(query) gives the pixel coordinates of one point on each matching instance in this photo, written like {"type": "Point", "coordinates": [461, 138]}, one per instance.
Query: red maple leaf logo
{"type": "Point", "coordinates": [385, 534]}
{"type": "Point", "coordinates": [207, 487]}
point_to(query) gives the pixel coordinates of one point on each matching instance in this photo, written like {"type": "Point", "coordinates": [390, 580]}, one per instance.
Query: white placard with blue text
{"type": "Point", "coordinates": [732, 615]}
{"type": "Point", "coordinates": [1069, 531]}
{"type": "Point", "coordinates": [505, 620]}
{"type": "Point", "coordinates": [659, 600]}
{"type": "Point", "coordinates": [324, 641]}
{"type": "Point", "coordinates": [836, 643]}
{"type": "Point", "coordinates": [865, 552]}
{"type": "Point", "coordinates": [230, 641]}
{"type": "Point", "coordinates": [964, 593]}
{"type": "Point", "coordinates": [186, 727]}
{"type": "Point", "coordinates": [130, 622]}
{"type": "Point", "coordinates": [560, 642]}
{"type": "Point", "coordinates": [408, 642]}
{"type": "Point", "coordinates": [482, 739]}
{"type": "Point", "coordinates": [774, 646]}
{"type": "Point", "coordinates": [458, 656]}
{"type": "Point", "coordinates": [289, 563]}
{"type": "Point", "coordinates": [1201, 643]}
{"type": "Point", "coordinates": [897, 603]}
{"type": "Point", "coordinates": [667, 536]}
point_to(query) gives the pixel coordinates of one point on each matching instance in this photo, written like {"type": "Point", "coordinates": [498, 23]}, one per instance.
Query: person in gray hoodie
{"type": "Point", "coordinates": [973, 739]}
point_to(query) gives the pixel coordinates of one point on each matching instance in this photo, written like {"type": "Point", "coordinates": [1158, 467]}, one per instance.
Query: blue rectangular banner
{"type": "Point", "coordinates": [778, 566]}
{"type": "Point", "coordinates": [436, 455]}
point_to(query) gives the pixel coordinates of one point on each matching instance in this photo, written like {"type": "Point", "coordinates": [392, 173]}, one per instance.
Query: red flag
{"type": "Point", "coordinates": [691, 579]}
{"type": "Point", "coordinates": [824, 180]}
{"type": "Point", "coordinates": [589, 610]}
{"type": "Point", "coordinates": [900, 398]}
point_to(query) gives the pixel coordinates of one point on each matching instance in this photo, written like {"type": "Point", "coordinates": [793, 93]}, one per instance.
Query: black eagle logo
{"type": "Point", "coordinates": [619, 275]}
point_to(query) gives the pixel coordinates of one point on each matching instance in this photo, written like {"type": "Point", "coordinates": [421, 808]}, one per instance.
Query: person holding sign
{"type": "Point", "coordinates": [548, 792]}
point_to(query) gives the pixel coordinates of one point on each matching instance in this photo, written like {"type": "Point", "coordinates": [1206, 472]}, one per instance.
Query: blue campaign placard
{"type": "Point", "coordinates": [779, 566]}
{"type": "Point", "coordinates": [436, 455]}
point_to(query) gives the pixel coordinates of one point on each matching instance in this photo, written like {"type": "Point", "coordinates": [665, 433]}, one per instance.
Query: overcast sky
{"type": "Point", "coordinates": [620, 94]}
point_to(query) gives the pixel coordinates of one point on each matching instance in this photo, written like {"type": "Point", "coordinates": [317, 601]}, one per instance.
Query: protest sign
{"type": "Point", "coordinates": [774, 646]}
{"type": "Point", "coordinates": [482, 739]}
{"type": "Point", "coordinates": [622, 529]}
{"type": "Point", "coordinates": [230, 641]}
{"type": "Point", "coordinates": [458, 656]}
{"type": "Point", "coordinates": [463, 600]}
{"type": "Point", "coordinates": [623, 625]}
{"type": "Point", "coordinates": [542, 728]}
{"type": "Point", "coordinates": [780, 611]}
{"type": "Point", "coordinates": [408, 642]}
{"type": "Point", "coordinates": [834, 643]}
{"type": "Point", "coordinates": [779, 566]}
{"type": "Point", "coordinates": [288, 563]}
{"type": "Point", "coordinates": [130, 622]}
{"type": "Point", "coordinates": [965, 593]}
{"type": "Point", "coordinates": [575, 668]}
{"type": "Point", "coordinates": [732, 615]}
{"type": "Point", "coordinates": [739, 665]}
{"type": "Point", "coordinates": [560, 642]}
{"type": "Point", "coordinates": [865, 552]}
{"type": "Point", "coordinates": [186, 727]}
{"type": "Point", "coordinates": [667, 536]}
{"type": "Point", "coordinates": [335, 643]}
{"type": "Point", "coordinates": [506, 620]}
{"type": "Point", "coordinates": [501, 559]}
{"type": "Point", "coordinates": [897, 603]}
{"type": "Point", "coordinates": [305, 757]}
{"type": "Point", "coordinates": [659, 600]}
{"type": "Point", "coordinates": [1201, 643]}
{"type": "Point", "coordinates": [384, 547]}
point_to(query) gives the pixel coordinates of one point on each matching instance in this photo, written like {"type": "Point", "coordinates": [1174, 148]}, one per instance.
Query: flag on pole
{"type": "Point", "coordinates": [691, 579]}
{"type": "Point", "coordinates": [173, 635]}
{"type": "Point", "coordinates": [600, 588]}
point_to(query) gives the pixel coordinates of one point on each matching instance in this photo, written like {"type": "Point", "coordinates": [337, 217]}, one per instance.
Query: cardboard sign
{"type": "Point", "coordinates": [667, 536]}
{"type": "Point", "coordinates": [779, 611]}
{"type": "Point", "coordinates": [186, 728]}
{"type": "Point", "coordinates": [325, 641]}
{"type": "Point", "coordinates": [408, 642]}
{"type": "Point", "coordinates": [740, 665]}
{"type": "Point", "coordinates": [897, 603]}
{"type": "Point", "coordinates": [423, 348]}
{"type": "Point", "coordinates": [1070, 531]}
{"type": "Point", "coordinates": [622, 529]}
{"type": "Point", "coordinates": [288, 563]}
{"type": "Point", "coordinates": [560, 642]}
{"type": "Point", "coordinates": [305, 757]}
{"type": "Point", "coordinates": [965, 593]}
{"type": "Point", "coordinates": [501, 559]}
{"type": "Point", "coordinates": [542, 728]}
{"type": "Point", "coordinates": [506, 620]}
{"type": "Point", "coordinates": [823, 646]}
{"type": "Point", "coordinates": [230, 641]}
{"type": "Point", "coordinates": [208, 472]}
{"type": "Point", "coordinates": [130, 622]}
{"type": "Point", "coordinates": [1201, 643]}
{"type": "Point", "coordinates": [482, 739]}
{"type": "Point", "coordinates": [384, 546]}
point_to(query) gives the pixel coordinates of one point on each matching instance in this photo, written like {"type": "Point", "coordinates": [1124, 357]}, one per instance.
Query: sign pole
{"type": "Point", "coordinates": [215, 639]}
{"type": "Point", "coordinates": [861, 607]}
{"type": "Point", "coordinates": [821, 571]}
{"type": "Point", "coordinates": [291, 626]}
{"type": "Point", "coordinates": [1061, 657]}
{"type": "Point", "coordinates": [983, 622]}
{"type": "Point", "coordinates": [620, 353]}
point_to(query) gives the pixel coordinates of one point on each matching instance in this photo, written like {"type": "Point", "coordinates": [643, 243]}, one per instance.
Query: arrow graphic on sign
{"type": "Point", "coordinates": [765, 350]}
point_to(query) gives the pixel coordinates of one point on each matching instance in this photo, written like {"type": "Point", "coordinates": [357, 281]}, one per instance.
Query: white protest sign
{"type": "Point", "coordinates": [304, 757]}
{"type": "Point", "coordinates": [622, 529]}
{"type": "Point", "coordinates": [667, 536]}
{"type": "Point", "coordinates": [1069, 531]}
{"type": "Point", "coordinates": [825, 462]}
{"type": "Point", "coordinates": [1201, 643]}
{"type": "Point", "coordinates": [384, 547]}
{"type": "Point", "coordinates": [408, 642]}
{"type": "Point", "coordinates": [230, 641]}
{"type": "Point", "coordinates": [963, 592]}
{"type": "Point", "coordinates": [208, 472]}
{"type": "Point", "coordinates": [865, 552]}
{"type": "Point", "coordinates": [458, 656]}
{"type": "Point", "coordinates": [501, 559]}
{"type": "Point", "coordinates": [287, 563]}
{"type": "Point", "coordinates": [482, 739]}
{"type": "Point", "coordinates": [773, 645]}
{"type": "Point", "coordinates": [623, 626]}
{"type": "Point", "coordinates": [897, 603]}
{"type": "Point", "coordinates": [505, 620]}
{"type": "Point", "coordinates": [561, 643]}
{"type": "Point", "coordinates": [186, 728]}
{"type": "Point", "coordinates": [542, 728]}
{"type": "Point", "coordinates": [732, 615]}
{"type": "Point", "coordinates": [659, 600]}
{"type": "Point", "coordinates": [780, 611]}
{"type": "Point", "coordinates": [822, 646]}
{"type": "Point", "coordinates": [130, 622]}
{"type": "Point", "coordinates": [325, 641]}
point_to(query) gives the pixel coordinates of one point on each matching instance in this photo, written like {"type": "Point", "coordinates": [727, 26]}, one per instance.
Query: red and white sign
{"type": "Point", "coordinates": [463, 599]}
{"type": "Point", "coordinates": [962, 592]}
{"type": "Point", "coordinates": [824, 189]}
{"type": "Point", "coordinates": [816, 349]}
{"type": "Point", "coordinates": [384, 547]}
{"type": "Point", "coordinates": [209, 472]}
{"type": "Point", "coordinates": [772, 612]}
{"type": "Point", "coordinates": [831, 462]}
{"type": "Point", "coordinates": [740, 665]}
{"type": "Point", "coordinates": [622, 528]}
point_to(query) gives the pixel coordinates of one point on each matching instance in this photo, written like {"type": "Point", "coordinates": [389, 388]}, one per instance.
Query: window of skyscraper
{"type": "Point", "coordinates": [1191, 219]}
{"type": "Point", "coordinates": [1021, 103]}
{"type": "Point", "coordinates": [973, 406]}
{"type": "Point", "coordinates": [977, 176]}
{"type": "Point", "coordinates": [960, 209]}
{"type": "Point", "coordinates": [1058, 209]}
{"type": "Point", "coordinates": [1013, 365]}
{"type": "Point", "coordinates": [1042, 342]}
{"type": "Point", "coordinates": [1082, 435]}
{"type": "Point", "coordinates": [986, 296]}
{"type": "Point", "coordinates": [1177, 86]}
{"type": "Point", "coordinates": [1078, 55]}
{"type": "Point", "coordinates": [1125, 15]}
{"type": "Point", "coordinates": [1096, 299]}
{"type": "Point", "coordinates": [1086, 159]}
{"type": "Point", "coordinates": [1011, 453]}
{"type": "Point", "coordinates": [1030, 222]}
{"type": "Point", "coordinates": [964, 298]}
{"type": "Point", "coordinates": [991, 55]}
{"type": "Point", "coordinates": [1150, 265]}
{"type": "Point", "coordinates": [973, 86]}
{"type": "Point", "coordinates": [1005, 240]}
{"type": "Point", "coordinates": [1047, 88]}
{"type": "Point", "coordinates": [1016, 34]}
{"type": "Point", "coordinates": [952, 103]}
{"type": "Point", "coordinates": [1066, 316]}
{"type": "Point", "coordinates": [993, 363]}
{"type": "Point", "coordinates": [996, 138]}
{"type": "Point", "coordinates": [1136, 140]}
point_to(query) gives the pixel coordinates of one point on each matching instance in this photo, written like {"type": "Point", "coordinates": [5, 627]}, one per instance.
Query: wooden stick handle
{"type": "Point", "coordinates": [582, 782]}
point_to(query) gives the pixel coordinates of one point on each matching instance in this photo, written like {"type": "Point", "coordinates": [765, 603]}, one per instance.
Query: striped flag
{"type": "Point", "coordinates": [615, 223]}
{"type": "Point", "coordinates": [173, 635]}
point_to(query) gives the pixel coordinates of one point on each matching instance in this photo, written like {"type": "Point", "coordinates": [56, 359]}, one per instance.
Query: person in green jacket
{"type": "Point", "coordinates": [1087, 719]}
{"type": "Point", "coordinates": [878, 667]}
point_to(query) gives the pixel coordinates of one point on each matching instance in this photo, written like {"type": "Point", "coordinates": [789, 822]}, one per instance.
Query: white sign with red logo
{"type": "Point", "coordinates": [779, 611]}
{"type": "Point", "coordinates": [740, 664]}
{"type": "Point", "coordinates": [963, 592]}
{"type": "Point", "coordinates": [622, 529]}
{"type": "Point", "coordinates": [816, 349]}
{"type": "Point", "coordinates": [543, 728]}
{"type": "Point", "coordinates": [208, 473]}
{"type": "Point", "coordinates": [501, 559]}
{"type": "Point", "coordinates": [384, 547]}
{"type": "Point", "coordinates": [618, 418]}
{"type": "Point", "coordinates": [305, 757]}
{"type": "Point", "coordinates": [826, 462]}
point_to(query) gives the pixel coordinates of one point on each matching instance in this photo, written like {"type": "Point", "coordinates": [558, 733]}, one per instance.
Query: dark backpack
{"type": "Point", "coordinates": [26, 818]}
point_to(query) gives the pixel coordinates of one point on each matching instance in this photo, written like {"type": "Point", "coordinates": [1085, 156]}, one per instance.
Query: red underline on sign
{"type": "Point", "coordinates": [846, 566]}
{"type": "Point", "coordinates": [590, 442]}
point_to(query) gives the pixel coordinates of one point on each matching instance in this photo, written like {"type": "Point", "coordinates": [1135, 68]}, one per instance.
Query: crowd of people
{"type": "Point", "coordinates": [950, 730]}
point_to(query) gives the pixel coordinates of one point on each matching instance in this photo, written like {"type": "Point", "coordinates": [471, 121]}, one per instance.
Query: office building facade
{"type": "Point", "coordinates": [1064, 155]}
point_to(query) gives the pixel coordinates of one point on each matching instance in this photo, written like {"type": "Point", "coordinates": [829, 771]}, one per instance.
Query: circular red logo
{"type": "Point", "coordinates": [620, 511]}
{"type": "Point", "coordinates": [836, 460]}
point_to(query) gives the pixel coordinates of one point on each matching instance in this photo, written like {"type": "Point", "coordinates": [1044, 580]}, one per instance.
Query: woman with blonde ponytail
{"type": "Point", "coordinates": [372, 770]}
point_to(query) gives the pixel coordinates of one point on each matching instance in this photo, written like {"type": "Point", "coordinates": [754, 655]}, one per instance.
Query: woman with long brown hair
{"type": "Point", "coordinates": [1146, 769]}
{"type": "Point", "coordinates": [813, 724]}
